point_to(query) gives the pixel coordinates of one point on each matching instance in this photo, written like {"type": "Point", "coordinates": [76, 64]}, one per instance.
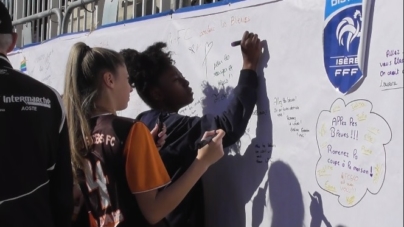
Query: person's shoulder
{"type": "Point", "coordinates": [148, 111]}
{"type": "Point", "coordinates": [32, 88]}
{"type": "Point", "coordinates": [179, 116]}
{"type": "Point", "coordinates": [121, 126]}
{"type": "Point", "coordinates": [32, 83]}
{"type": "Point", "coordinates": [119, 121]}
{"type": "Point", "coordinates": [147, 114]}
{"type": "Point", "coordinates": [20, 76]}
{"type": "Point", "coordinates": [123, 120]}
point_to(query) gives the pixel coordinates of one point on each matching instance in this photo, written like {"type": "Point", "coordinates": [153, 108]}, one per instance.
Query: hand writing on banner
{"type": "Point", "coordinates": [351, 141]}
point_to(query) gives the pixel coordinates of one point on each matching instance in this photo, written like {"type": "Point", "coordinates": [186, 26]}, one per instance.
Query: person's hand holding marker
{"type": "Point", "coordinates": [210, 149]}
{"type": "Point", "coordinates": [251, 49]}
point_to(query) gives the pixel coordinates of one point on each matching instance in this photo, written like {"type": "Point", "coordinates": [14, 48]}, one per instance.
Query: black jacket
{"type": "Point", "coordinates": [35, 166]}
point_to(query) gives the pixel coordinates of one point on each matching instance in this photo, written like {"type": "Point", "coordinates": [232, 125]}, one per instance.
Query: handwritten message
{"type": "Point", "coordinates": [263, 152]}
{"type": "Point", "coordinates": [208, 48]}
{"type": "Point", "coordinates": [287, 108]}
{"type": "Point", "coordinates": [223, 69]}
{"type": "Point", "coordinates": [391, 69]}
{"type": "Point", "coordinates": [351, 141]}
{"type": "Point", "coordinates": [191, 32]}
{"type": "Point", "coordinates": [41, 65]}
{"type": "Point", "coordinates": [216, 90]}
{"type": "Point", "coordinates": [43, 61]}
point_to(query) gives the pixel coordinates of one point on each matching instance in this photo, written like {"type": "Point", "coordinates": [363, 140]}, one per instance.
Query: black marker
{"type": "Point", "coordinates": [204, 142]}
{"type": "Point", "coordinates": [236, 43]}
{"type": "Point", "coordinates": [160, 125]}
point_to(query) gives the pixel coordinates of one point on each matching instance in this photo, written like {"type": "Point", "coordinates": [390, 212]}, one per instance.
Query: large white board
{"type": "Point", "coordinates": [306, 139]}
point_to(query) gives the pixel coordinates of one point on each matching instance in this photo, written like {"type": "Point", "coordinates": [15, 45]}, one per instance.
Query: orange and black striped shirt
{"type": "Point", "coordinates": [123, 161]}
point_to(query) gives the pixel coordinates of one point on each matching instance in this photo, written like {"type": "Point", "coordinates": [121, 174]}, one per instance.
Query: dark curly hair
{"type": "Point", "coordinates": [145, 68]}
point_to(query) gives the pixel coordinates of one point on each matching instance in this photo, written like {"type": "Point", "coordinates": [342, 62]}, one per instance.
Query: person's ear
{"type": "Point", "coordinates": [108, 79]}
{"type": "Point", "coordinates": [14, 41]}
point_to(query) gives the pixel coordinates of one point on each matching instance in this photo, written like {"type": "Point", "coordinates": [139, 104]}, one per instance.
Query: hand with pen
{"type": "Point", "coordinates": [159, 133]}
{"type": "Point", "coordinates": [251, 50]}
{"type": "Point", "coordinates": [210, 149]}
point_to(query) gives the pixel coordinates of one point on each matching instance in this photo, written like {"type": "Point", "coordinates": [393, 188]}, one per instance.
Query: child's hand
{"type": "Point", "coordinates": [251, 49]}
{"type": "Point", "coordinates": [161, 136]}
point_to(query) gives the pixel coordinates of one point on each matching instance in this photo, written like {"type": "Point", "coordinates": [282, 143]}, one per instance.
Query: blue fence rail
{"type": "Point", "coordinates": [37, 21]}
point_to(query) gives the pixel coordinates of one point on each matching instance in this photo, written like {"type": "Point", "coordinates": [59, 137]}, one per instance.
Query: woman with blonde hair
{"type": "Point", "coordinates": [115, 159]}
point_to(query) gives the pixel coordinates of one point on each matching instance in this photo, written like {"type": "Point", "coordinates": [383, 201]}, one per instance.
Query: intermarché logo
{"type": "Point", "coordinates": [28, 100]}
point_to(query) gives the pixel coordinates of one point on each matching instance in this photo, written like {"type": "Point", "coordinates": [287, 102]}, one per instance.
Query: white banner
{"type": "Point", "coordinates": [311, 156]}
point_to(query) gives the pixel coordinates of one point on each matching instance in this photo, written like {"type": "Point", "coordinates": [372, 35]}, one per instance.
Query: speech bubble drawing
{"type": "Point", "coordinates": [351, 139]}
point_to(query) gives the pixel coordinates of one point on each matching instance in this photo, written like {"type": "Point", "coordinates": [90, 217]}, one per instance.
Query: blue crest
{"type": "Point", "coordinates": [342, 37]}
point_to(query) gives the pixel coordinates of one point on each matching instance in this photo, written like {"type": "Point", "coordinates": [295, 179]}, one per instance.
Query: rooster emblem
{"type": "Point", "coordinates": [351, 26]}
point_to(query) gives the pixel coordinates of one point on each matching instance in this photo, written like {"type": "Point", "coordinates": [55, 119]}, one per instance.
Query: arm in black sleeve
{"type": "Point", "coordinates": [235, 120]}
{"type": "Point", "coordinates": [61, 183]}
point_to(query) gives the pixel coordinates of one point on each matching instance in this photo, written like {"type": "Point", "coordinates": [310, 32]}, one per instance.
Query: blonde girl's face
{"type": "Point", "coordinates": [122, 88]}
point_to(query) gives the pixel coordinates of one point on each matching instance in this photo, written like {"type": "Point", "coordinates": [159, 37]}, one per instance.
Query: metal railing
{"type": "Point", "coordinates": [36, 21]}
{"type": "Point", "coordinates": [41, 15]}
{"type": "Point", "coordinates": [73, 14]}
